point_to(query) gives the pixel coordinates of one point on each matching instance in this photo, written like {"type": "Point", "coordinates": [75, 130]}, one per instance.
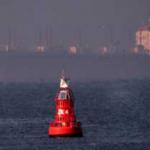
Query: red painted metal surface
{"type": "Point", "coordinates": [65, 123]}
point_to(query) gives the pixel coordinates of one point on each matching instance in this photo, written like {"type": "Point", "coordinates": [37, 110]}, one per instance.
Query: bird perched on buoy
{"type": "Point", "coordinates": [64, 123]}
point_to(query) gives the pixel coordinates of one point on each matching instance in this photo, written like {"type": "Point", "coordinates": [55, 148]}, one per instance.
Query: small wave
{"type": "Point", "coordinates": [23, 121]}
{"type": "Point", "coordinates": [91, 125]}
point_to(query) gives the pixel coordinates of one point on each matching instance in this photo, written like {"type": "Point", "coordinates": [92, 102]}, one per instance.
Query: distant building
{"type": "Point", "coordinates": [143, 40]}
{"type": "Point", "coordinates": [103, 50]}
{"type": "Point", "coordinates": [40, 49]}
{"type": "Point", "coordinates": [4, 48]}
{"type": "Point", "coordinates": [72, 50]}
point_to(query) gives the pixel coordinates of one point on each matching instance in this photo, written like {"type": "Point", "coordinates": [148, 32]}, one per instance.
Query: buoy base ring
{"type": "Point", "coordinates": [65, 131]}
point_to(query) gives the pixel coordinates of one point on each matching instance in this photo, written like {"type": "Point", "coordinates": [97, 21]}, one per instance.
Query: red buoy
{"type": "Point", "coordinates": [65, 123]}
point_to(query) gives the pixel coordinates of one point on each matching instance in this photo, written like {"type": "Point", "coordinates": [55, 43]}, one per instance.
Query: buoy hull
{"type": "Point", "coordinates": [65, 123]}
{"type": "Point", "coordinates": [64, 131]}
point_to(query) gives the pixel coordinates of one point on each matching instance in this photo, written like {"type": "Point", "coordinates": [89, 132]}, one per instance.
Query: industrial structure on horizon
{"type": "Point", "coordinates": [142, 38]}
{"type": "Point", "coordinates": [44, 44]}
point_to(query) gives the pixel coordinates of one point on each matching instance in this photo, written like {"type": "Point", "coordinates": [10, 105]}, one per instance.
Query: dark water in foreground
{"type": "Point", "coordinates": [115, 116]}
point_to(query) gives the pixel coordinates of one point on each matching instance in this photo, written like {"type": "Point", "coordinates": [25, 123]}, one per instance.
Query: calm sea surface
{"type": "Point", "coordinates": [115, 115]}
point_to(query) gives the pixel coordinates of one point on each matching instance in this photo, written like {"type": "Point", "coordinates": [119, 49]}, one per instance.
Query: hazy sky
{"type": "Point", "coordinates": [90, 21]}
{"type": "Point", "coordinates": [95, 22]}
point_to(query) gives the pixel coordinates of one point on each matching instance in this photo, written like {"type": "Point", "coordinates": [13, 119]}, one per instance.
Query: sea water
{"type": "Point", "coordinates": [115, 115]}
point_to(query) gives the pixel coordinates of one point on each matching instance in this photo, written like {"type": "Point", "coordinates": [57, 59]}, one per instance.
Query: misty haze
{"type": "Point", "coordinates": [102, 46]}
{"type": "Point", "coordinates": [41, 68]}
{"type": "Point", "coordinates": [90, 40]}
{"type": "Point", "coordinates": [90, 22]}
